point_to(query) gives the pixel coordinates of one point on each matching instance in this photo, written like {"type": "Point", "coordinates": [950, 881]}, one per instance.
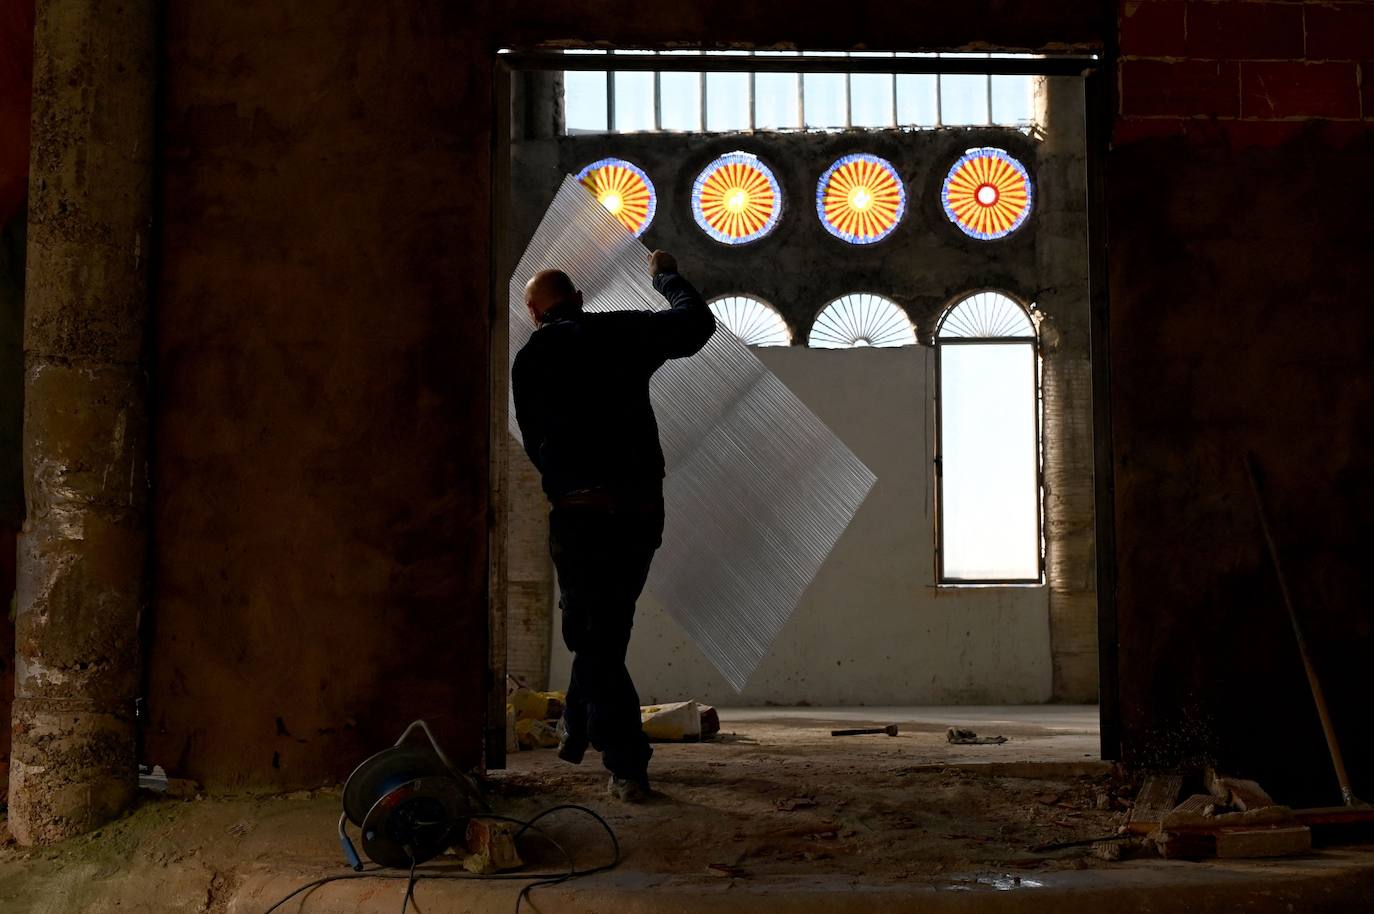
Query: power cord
{"type": "Point", "coordinates": [538, 880]}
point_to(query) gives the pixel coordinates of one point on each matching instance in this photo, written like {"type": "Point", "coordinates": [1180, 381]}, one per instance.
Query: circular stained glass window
{"type": "Point", "coordinates": [753, 320]}
{"type": "Point", "coordinates": [987, 194]}
{"type": "Point", "coordinates": [860, 199]}
{"type": "Point", "coordinates": [736, 199]}
{"type": "Point", "coordinates": [624, 189]}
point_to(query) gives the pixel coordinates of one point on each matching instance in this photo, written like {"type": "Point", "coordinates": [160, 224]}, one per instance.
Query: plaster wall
{"type": "Point", "coordinates": [873, 628]}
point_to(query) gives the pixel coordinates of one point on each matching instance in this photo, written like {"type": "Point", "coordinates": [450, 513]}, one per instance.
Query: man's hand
{"type": "Point", "coordinates": [662, 262]}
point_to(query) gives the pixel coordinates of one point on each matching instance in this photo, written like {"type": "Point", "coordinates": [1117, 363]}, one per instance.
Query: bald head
{"type": "Point", "coordinates": [551, 294]}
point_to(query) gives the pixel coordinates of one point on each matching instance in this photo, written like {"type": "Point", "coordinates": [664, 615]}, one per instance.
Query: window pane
{"type": "Point", "coordinates": [870, 99]}
{"type": "Point", "coordinates": [634, 102]}
{"type": "Point", "coordinates": [916, 93]}
{"type": "Point", "coordinates": [681, 101]}
{"type": "Point", "coordinates": [963, 100]}
{"type": "Point", "coordinates": [989, 490]}
{"type": "Point", "coordinates": [775, 101]}
{"type": "Point", "coordinates": [1013, 100]}
{"type": "Point", "coordinates": [727, 101]}
{"type": "Point", "coordinates": [825, 99]}
{"type": "Point", "coordinates": [584, 101]}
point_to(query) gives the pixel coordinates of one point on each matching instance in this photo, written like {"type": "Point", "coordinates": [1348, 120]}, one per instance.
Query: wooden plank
{"type": "Point", "coordinates": [1279, 841]}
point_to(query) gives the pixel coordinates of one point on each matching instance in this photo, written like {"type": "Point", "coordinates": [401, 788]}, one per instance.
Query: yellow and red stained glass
{"type": "Point", "coordinates": [860, 199]}
{"type": "Point", "coordinates": [987, 194]}
{"type": "Point", "coordinates": [624, 189]}
{"type": "Point", "coordinates": [736, 199]}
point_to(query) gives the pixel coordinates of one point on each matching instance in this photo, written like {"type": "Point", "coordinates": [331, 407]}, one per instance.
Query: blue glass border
{"type": "Point", "coordinates": [632, 167]}
{"type": "Point", "coordinates": [851, 237]}
{"type": "Point", "coordinates": [737, 158]}
{"type": "Point", "coordinates": [995, 153]}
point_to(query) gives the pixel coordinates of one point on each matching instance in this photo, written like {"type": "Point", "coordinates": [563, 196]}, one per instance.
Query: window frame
{"type": "Point", "coordinates": [847, 63]}
{"type": "Point", "coordinates": [1038, 411]}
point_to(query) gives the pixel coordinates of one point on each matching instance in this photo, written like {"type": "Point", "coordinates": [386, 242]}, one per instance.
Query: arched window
{"type": "Point", "coordinates": [861, 319]}
{"type": "Point", "coordinates": [988, 442]}
{"type": "Point", "coordinates": [753, 320]}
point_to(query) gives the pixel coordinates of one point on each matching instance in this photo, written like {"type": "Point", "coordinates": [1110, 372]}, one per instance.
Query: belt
{"type": "Point", "coordinates": [603, 498]}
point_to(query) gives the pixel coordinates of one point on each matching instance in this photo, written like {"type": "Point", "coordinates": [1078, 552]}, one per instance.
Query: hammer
{"type": "Point", "coordinates": [890, 730]}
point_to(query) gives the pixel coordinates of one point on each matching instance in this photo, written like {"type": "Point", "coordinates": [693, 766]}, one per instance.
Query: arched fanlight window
{"type": "Point", "coordinates": [861, 319]}
{"type": "Point", "coordinates": [988, 442]}
{"type": "Point", "coordinates": [753, 320]}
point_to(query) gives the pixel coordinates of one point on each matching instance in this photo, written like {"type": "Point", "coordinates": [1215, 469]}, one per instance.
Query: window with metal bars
{"type": "Point", "coordinates": [611, 101]}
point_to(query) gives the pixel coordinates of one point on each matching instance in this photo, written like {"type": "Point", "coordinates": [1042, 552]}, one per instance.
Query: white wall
{"type": "Point", "coordinates": [873, 629]}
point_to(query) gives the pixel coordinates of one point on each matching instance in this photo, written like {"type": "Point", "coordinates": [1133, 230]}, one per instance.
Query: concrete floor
{"type": "Point", "coordinates": [776, 816]}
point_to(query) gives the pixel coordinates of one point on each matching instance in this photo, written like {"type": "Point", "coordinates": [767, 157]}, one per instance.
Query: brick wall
{"type": "Point", "coordinates": [1261, 67]}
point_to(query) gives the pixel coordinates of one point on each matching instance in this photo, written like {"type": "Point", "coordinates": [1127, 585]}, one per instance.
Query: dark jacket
{"type": "Point", "coordinates": [581, 387]}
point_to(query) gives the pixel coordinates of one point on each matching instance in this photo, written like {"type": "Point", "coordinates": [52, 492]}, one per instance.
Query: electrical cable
{"type": "Point", "coordinates": [537, 880]}
{"type": "Point", "coordinates": [410, 887]}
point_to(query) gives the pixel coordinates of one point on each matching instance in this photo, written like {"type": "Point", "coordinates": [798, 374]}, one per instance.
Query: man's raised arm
{"type": "Point", "coordinates": [688, 323]}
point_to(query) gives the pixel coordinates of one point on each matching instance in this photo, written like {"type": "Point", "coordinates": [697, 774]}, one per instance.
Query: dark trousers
{"type": "Point", "coordinates": [602, 552]}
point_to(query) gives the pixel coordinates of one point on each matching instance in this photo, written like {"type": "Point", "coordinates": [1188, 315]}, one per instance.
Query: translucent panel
{"type": "Point", "coordinates": [917, 99]}
{"type": "Point", "coordinates": [777, 101]}
{"type": "Point", "coordinates": [681, 105]}
{"type": "Point", "coordinates": [989, 493]}
{"type": "Point", "coordinates": [826, 100]}
{"type": "Point", "coordinates": [727, 101]}
{"type": "Point", "coordinates": [860, 319]}
{"type": "Point", "coordinates": [758, 490]}
{"type": "Point", "coordinates": [963, 100]}
{"type": "Point", "coordinates": [753, 320]}
{"type": "Point", "coordinates": [870, 99]}
{"type": "Point", "coordinates": [584, 101]}
{"type": "Point", "coordinates": [986, 315]}
{"type": "Point", "coordinates": [634, 102]}
{"type": "Point", "coordinates": [1013, 100]}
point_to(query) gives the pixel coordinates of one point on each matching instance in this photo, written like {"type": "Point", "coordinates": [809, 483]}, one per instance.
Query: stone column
{"type": "Point", "coordinates": [83, 547]}
{"type": "Point", "coordinates": [1062, 256]}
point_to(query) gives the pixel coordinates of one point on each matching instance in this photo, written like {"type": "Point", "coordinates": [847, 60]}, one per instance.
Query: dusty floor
{"type": "Point", "coordinates": [776, 806]}
{"type": "Point", "coordinates": [777, 795]}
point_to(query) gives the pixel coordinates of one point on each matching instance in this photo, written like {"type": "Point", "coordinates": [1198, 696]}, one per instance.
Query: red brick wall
{"type": "Point", "coordinates": [1253, 66]}
{"type": "Point", "coordinates": [16, 75]}
{"type": "Point", "coordinates": [1239, 274]}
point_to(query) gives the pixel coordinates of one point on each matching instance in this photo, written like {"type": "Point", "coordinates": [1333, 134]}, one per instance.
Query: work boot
{"type": "Point", "coordinates": [570, 748]}
{"type": "Point", "coordinates": [629, 790]}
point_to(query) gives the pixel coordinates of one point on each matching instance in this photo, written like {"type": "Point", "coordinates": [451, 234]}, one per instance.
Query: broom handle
{"type": "Point", "coordinates": [1347, 794]}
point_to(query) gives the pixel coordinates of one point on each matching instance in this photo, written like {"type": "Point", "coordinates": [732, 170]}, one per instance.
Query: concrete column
{"type": "Point", "coordinates": [83, 548]}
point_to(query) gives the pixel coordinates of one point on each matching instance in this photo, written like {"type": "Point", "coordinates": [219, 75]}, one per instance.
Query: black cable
{"type": "Point", "coordinates": [410, 887]}
{"type": "Point", "coordinates": [539, 879]}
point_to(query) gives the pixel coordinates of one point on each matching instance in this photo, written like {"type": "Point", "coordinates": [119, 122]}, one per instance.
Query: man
{"type": "Point", "coordinates": [581, 387]}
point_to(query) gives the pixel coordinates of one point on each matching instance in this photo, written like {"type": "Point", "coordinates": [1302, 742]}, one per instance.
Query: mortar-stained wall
{"type": "Point", "coordinates": [873, 628]}
{"type": "Point", "coordinates": [1240, 281]}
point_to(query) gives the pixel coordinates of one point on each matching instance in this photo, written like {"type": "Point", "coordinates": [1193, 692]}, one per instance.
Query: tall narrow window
{"type": "Point", "coordinates": [988, 452]}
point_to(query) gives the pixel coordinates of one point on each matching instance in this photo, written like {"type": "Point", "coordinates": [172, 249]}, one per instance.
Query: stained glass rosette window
{"type": "Point", "coordinates": [860, 199]}
{"type": "Point", "coordinates": [987, 194]}
{"type": "Point", "coordinates": [624, 189]}
{"type": "Point", "coordinates": [736, 199]}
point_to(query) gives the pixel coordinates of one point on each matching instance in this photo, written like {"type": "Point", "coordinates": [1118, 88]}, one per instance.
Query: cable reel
{"type": "Point", "coordinates": [409, 802]}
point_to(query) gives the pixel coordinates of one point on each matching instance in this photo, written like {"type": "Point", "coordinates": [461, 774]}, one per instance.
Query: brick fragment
{"type": "Point", "coordinates": [1185, 88]}
{"type": "Point", "coordinates": [1291, 89]}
